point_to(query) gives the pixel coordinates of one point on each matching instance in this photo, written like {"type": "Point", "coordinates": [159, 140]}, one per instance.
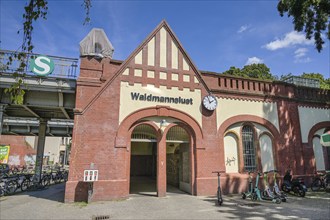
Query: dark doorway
{"type": "Point", "coordinates": [143, 170]}
{"type": "Point", "coordinates": [178, 161]}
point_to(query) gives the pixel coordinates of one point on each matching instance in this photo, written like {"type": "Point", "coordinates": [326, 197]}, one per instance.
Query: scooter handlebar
{"type": "Point", "coordinates": [218, 171]}
{"type": "Point", "coordinates": [272, 171]}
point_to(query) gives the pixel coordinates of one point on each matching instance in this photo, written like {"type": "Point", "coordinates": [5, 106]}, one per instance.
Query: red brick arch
{"type": "Point", "coordinates": [188, 123]}
{"type": "Point", "coordinates": [311, 135]}
{"type": "Point", "coordinates": [314, 129]}
{"type": "Point", "coordinates": [248, 118]}
{"type": "Point", "coordinates": [123, 136]}
{"type": "Point", "coordinates": [274, 133]}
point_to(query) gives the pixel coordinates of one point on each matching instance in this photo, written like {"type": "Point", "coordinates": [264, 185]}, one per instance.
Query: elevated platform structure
{"type": "Point", "coordinates": [50, 98]}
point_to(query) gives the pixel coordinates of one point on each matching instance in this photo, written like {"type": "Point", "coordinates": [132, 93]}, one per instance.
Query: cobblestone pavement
{"type": "Point", "coordinates": [48, 204]}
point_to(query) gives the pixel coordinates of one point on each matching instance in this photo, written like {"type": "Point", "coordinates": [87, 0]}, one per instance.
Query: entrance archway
{"type": "Point", "coordinates": [153, 116]}
{"type": "Point", "coordinates": [178, 160]}
{"type": "Point", "coordinates": [143, 166]}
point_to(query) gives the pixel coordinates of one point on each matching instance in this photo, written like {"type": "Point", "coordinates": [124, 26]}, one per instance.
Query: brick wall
{"type": "Point", "coordinates": [20, 150]}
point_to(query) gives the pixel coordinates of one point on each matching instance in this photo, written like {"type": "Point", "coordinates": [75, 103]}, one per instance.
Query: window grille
{"type": "Point", "coordinates": [177, 133]}
{"type": "Point", "coordinates": [248, 149]}
{"type": "Point", "coordinates": [143, 133]}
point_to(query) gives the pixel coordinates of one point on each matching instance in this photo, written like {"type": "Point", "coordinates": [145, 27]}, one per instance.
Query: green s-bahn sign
{"type": "Point", "coordinates": [42, 66]}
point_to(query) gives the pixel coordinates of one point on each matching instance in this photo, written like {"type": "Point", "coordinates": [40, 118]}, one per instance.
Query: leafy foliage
{"type": "Point", "coordinates": [16, 91]}
{"type": "Point", "coordinates": [33, 11]}
{"type": "Point", "coordinates": [87, 5]}
{"type": "Point", "coordinates": [256, 71]}
{"type": "Point", "coordinates": [310, 16]}
{"type": "Point", "coordinates": [261, 71]}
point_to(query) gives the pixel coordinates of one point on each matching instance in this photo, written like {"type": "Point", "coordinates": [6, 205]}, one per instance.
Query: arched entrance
{"type": "Point", "coordinates": [178, 160]}
{"type": "Point", "coordinates": [153, 116]}
{"type": "Point", "coordinates": [161, 157]}
{"type": "Point", "coordinates": [143, 166]}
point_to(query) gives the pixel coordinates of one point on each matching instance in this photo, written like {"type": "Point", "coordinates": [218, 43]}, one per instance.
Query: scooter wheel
{"type": "Point", "coordinates": [277, 201]}
{"type": "Point", "coordinates": [285, 189]}
{"type": "Point", "coordinates": [283, 199]}
{"type": "Point", "coordinates": [301, 193]}
{"type": "Point", "coordinates": [254, 197]}
{"type": "Point", "coordinates": [243, 196]}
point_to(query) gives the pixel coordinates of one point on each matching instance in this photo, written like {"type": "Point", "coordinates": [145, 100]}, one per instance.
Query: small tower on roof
{"type": "Point", "coordinates": [97, 44]}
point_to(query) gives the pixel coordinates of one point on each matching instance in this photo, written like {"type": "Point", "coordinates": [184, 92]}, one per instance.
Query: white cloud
{"type": "Point", "coordinates": [300, 56]}
{"type": "Point", "coordinates": [301, 52]}
{"type": "Point", "coordinates": [290, 39]}
{"type": "Point", "coordinates": [243, 28]}
{"type": "Point", "coordinates": [254, 60]}
{"type": "Point", "coordinates": [304, 60]}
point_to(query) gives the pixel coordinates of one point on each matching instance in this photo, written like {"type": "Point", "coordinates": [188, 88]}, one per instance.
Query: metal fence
{"type": "Point", "coordinates": [64, 67]}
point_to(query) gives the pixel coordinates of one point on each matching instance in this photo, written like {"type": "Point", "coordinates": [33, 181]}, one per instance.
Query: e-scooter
{"type": "Point", "coordinates": [277, 190]}
{"type": "Point", "coordinates": [267, 194]}
{"type": "Point", "coordinates": [256, 194]}
{"type": "Point", "coordinates": [250, 191]}
{"type": "Point", "coordinates": [219, 195]}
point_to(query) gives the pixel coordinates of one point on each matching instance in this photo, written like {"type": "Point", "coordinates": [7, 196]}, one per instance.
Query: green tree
{"type": "Point", "coordinates": [310, 16]}
{"type": "Point", "coordinates": [256, 71]}
{"type": "Point", "coordinates": [233, 71]}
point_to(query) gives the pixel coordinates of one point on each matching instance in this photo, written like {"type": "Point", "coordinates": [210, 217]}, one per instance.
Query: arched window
{"type": "Point", "coordinates": [249, 154]}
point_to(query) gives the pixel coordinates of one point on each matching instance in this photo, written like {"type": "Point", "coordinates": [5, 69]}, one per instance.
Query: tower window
{"type": "Point", "coordinates": [98, 48]}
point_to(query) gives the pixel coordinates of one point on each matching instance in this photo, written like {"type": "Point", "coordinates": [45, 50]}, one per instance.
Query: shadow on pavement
{"type": "Point", "coordinates": [53, 192]}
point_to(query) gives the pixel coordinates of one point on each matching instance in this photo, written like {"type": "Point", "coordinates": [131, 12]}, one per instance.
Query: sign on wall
{"type": "Point", "coordinates": [42, 66]}
{"type": "Point", "coordinates": [4, 153]}
{"type": "Point", "coordinates": [91, 175]}
{"type": "Point", "coordinates": [325, 139]}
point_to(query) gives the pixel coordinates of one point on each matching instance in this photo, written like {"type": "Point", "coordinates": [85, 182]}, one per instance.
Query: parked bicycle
{"type": "Point", "coordinates": [7, 187]}
{"type": "Point", "coordinates": [22, 178]}
{"type": "Point", "coordinates": [219, 194]}
{"type": "Point", "coordinates": [56, 175]}
{"type": "Point", "coordinates": [322, 180]}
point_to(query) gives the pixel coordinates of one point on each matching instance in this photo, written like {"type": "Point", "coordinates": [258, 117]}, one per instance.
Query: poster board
{"type": "Point", "coordinates": [4, 153]}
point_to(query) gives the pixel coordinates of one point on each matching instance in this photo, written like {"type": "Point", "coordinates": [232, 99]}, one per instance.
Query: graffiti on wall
{"type": "Point", "coordinates": [229, 161]}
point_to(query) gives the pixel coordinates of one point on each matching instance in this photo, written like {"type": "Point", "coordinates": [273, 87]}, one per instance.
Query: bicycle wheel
{"type": "Point", "coordinates": [45, 181]}
{"type": "Point", "coordinates": [25, 185]}
{"type": "Point", "coordinates": [11, 187]}
{"type": "Point", "coordinates": [56, 178]}
{"type": "Point", "coordinates": [2, 192]}
{"type": "Point", "coordinates": [316, 185]}
{"type": "Point", "coordinates": [65, 176]}
{"type": "Point", "coordinates": [2, 188]}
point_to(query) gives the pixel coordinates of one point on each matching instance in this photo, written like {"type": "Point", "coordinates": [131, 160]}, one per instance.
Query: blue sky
{"type": "Point", "coordinates": [215, 34]}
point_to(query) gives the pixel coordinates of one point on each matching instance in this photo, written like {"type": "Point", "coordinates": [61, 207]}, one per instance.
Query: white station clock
{"type": "Point", "coordinates": [210, 102]}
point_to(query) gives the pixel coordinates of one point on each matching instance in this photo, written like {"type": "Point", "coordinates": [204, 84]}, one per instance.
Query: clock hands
{"type": "Point", "coordinates": [210, 101]}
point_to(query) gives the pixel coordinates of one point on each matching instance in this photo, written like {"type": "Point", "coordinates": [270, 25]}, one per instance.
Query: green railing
{"type": "Point", "coordinates": [63, 67]}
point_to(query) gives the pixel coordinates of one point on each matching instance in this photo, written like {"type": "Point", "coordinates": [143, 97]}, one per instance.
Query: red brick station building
{"type": "Point", "coordinates": [156, 119]}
